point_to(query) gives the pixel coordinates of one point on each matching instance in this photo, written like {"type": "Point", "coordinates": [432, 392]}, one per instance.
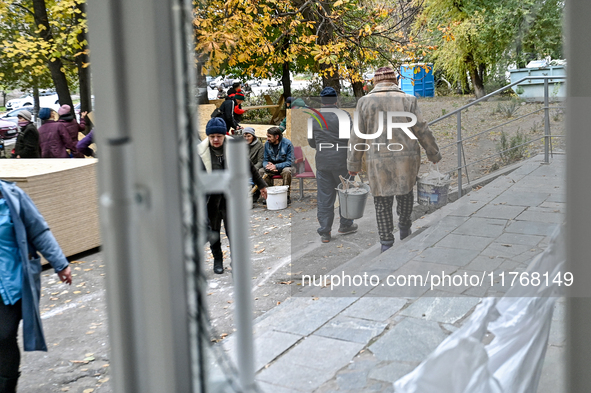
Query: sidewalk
{"type": "Point", "coordinates": [363, 338]}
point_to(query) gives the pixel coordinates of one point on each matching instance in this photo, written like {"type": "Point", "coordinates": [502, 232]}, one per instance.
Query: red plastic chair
{"type": "Point", "coordinates": [303, 169]}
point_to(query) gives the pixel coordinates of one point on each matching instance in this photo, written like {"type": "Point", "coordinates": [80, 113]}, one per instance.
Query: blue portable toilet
{"type": "Point", "coordinates": [424, 81]}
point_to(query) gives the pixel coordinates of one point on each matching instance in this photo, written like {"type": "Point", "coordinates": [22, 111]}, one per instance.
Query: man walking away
{"type": "Point", "coordinates": [392, 164]}
{"type": "Point", "coordinates": [331, 162]}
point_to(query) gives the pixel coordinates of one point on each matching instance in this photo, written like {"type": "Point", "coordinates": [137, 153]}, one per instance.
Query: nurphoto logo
{"type": "Point", "coordinates": [345, 127]}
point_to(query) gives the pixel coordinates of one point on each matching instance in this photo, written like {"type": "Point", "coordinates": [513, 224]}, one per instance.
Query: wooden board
{"type": "Point", "coordinates": [65, 192]}
{"type": "Point", "coordinates": [204, 113]}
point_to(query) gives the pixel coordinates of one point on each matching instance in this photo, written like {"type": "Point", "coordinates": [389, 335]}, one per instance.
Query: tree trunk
{"type": "Point", "coordinates": [35, 100]}
{"type": "Point", "coordinates": [358, 89]}
{"type": "Point", "coordinates": [202, 96]}
{"type": "Point", "coordinates": [83, 72]}
{"type": "Point", "coordinates": [55, 67]}
{"type": "Point", "coordinates": [285, 80]}
{"type": "Point", "coordinates": [477, 82]}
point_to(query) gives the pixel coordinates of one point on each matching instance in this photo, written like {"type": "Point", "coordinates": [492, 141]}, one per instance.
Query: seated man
{"type": "Point", "coordinates": [278, 159]}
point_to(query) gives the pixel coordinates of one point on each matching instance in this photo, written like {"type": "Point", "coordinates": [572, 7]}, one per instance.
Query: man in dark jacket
{"type": "Point", "coordinates": [278, 159]}
{"type": "Point", "coordinates": [226, 112]}
{"type": "Point", "coordinates": [212, 152]}
{"type": "Point", "coordinates": [27, 142]}
{"type": "Point", "coordinates": [331, 162]}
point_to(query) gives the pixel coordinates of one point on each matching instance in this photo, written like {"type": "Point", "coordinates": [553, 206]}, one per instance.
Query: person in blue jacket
{"type": "Point", "coordinates": [277, 159]}
{"type": "Point", "coordinates": [23, 233]}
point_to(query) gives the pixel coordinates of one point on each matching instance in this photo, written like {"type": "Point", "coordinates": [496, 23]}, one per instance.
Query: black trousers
{"type": "Point", "coordinates": [385, 217]}
{"type": "Point", "coordinates": [10, 356]}
{"type": "Point", "coordinates": [327, 182]}
{"type": "Point", "coordinates": [217, 212]}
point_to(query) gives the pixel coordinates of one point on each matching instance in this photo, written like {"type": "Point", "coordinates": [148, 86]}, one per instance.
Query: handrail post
{"type": "Point", "coordinates": [459, 139]}
{"type": "Point", "coordinates": [546, 122]}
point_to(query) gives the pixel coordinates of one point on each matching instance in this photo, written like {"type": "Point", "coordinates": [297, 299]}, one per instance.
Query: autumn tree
{"type": "Point", "coordinates": [336, 39]}
{"type": "Point", "coordinates": [473, 37]}
{"type": "Point", "coordinates": [46, 37]}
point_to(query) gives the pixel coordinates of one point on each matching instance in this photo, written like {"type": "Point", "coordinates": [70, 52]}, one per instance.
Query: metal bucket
{"type": "Point", "coordinates": [352, 201]}
{"type": "Point", "coordinates": [433, 195]}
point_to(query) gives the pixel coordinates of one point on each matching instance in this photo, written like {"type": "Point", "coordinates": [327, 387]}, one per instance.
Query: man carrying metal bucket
{"type": "Point", "coordinates": [331, 162]}
{"type": "Point", "coordinates": [392, 150]}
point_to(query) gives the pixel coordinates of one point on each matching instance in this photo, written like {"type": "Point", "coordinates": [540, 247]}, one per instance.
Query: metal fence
{"type": "Point", "coordinates": [463, 164]}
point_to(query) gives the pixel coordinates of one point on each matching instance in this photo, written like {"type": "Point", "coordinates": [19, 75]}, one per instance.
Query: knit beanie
{"type": "Point", "coordinates": [385, 74]}
{"type": "Point", "coordinates": [239, 96]}
{"type": "Point", "coordinates": [248, 130]}
{"type": "Point", "coordinates": [64, 110]}
{"type": "Point", "coordinates": [216, 125]}
{"type": "Point", "coordinates": [25, 114]}
{"type": "Point", "coordinates": [328, 95]}
{"type": "Point", "coordinates": [44, 113]}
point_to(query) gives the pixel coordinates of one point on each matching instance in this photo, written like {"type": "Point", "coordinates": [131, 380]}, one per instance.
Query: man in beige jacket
{"type": "Point", "coordinates": [392, 154]}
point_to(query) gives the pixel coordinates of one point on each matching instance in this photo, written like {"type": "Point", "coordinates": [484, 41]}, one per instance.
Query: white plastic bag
{"type": "Point", "coordinates": [512, 362]}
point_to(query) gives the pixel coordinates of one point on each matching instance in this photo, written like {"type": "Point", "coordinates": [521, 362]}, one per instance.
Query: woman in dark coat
{"type": "Point", "coordinates": [73, 127]}
{"type": "Point", "coordinates": [54, 138]}
{"type": "Point", "coordinates": [27, 141]}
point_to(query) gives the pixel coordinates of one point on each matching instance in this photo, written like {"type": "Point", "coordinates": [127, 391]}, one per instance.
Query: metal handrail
{"type": "Point", "coordinates": [460, 140]}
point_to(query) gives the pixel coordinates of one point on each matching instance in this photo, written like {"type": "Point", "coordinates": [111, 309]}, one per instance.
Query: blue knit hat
{"type": "Point", "coordinates": [328, 95]}
{"type": "Point", "coordinates": [44, 113]}
{"type": "Point", "coordinates": [216, 126]}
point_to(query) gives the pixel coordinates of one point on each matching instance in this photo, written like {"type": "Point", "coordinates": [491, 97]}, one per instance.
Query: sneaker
{"type": "Point", "coordinates": [404, 232]}
{"type": "Point", "coordinates": [218, 266]}
{"type": "Point", "coordinates": [325, 237]}
{"type": "Point", "coordinates": [265, 202]}
{"type": "Point", "coordinates": [385, 247]}
{"type": "Point", "coordinates": [350, 229]}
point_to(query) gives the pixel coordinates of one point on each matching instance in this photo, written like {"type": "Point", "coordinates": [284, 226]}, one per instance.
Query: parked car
{"type": "Point", "coordinates": [46, 99]}
{"type": "Point", "coordinates": [254, 82]}
{"type": "Point", "coordinates": [216, 82]}
{"type": "Point", "coordinates": [8, 130]}
{"type": "Point", "coordinates": [229, 80]}
{"type": "Point", "coordinates": [13, 114]}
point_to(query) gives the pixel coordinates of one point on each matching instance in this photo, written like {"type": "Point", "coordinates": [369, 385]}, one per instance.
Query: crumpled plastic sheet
{"type": "Point", "coordinates": [512, 362]}
{"type": "Point", "coordinates": [434, 177]}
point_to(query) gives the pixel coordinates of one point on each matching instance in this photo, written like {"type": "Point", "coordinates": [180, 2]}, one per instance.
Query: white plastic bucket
{"type": "Point", "coordinates": [277, 197]}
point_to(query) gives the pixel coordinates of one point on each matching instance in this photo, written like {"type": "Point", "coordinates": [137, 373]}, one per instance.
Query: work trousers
{"type": "Point", "coordinates": [385, 217]}
{"type": "Point", "coordinates": [285, 174]}
{"type": "Point", "coordinates": [10, 355]}
{"type": "Point", "coordinates": [216, 213]}
{"type": "Point", "coordinates": [327, 182]}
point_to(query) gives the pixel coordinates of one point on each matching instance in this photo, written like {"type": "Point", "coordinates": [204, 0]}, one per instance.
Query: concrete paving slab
{"type": "Point", "coordinates": [392, 371]}
{"type": "Point", "coordinates": [375, 308]}
{"type": "Point", "coordinates": [351, 329]}
{"type": "Point", "coordinates": [352, 380]}
{"type": "Point", "coordinates": [411, 340]}
{"type": "Point", "coordinates": [296, 378]}
{"type": "Point", "coordinates": [476, 226]}
{"type": "Point", "coordinates": [465, 242]}
{"type": "Point", "coordinates": [270, 388]}
{"type": "Point", "coordinates": [308, 317]}
{"type": "Point", "coordinates": [561, 207]}
{"type": "Point", "coordinates": [270, 345]}
{"type": "Point", "coordinates": [467, 209]}
{"type": "Point", "coordinates": [505, 250]}
{"type": "Point", "coordinates": [516, 238]}
{"type": "Point", "coordinates": [541, 215]}
{"type": "Point", "coordinates": [322, 353]}
{"type": "Point", "coordinates": [521, 198]}
{"type": "Point", "coordinates": [485, 263]}
{"type": "Point", "coordinates": [531, 228]}
{"type": "Point", "coordinates": [450, 256]}
{"type": "Point", "coordinates": [441, 309]}
{"type": "Point", "coordinates": [506, 212]}
{"type": "Point", "coordinates": [556, 198]}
